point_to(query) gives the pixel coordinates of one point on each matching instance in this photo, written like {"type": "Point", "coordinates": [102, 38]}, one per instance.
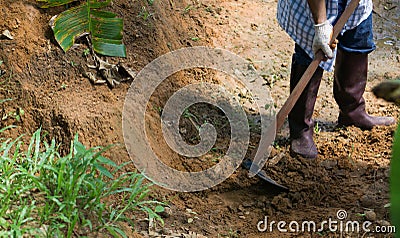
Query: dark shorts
{"type": "Point", "coordinates": [358, 40]}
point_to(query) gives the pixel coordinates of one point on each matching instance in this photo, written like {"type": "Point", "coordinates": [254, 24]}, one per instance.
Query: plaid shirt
{"type": "Point", "coordinates": [295, 17]}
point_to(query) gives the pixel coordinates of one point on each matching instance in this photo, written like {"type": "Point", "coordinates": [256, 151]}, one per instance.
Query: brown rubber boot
{"type": "Point", "coordinates": [349, 86]}
{"type": "Point", "coordinates": [300, 118]}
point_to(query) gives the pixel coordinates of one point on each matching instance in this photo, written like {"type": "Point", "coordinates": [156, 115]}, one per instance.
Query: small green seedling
{"type": "Point", "coordinates": [85, 52]}
{"type": "Point", "coordinates": [187, 9]}
{"type": "Point", "coordinates": [317, 129]}
{"type": "Point", "coordinates": [145, 14]}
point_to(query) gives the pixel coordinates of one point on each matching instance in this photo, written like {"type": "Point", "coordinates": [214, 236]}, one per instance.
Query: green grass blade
{"type": "Point", "coordinates": [6, 128]}
{"type": "Point", "coordinates": [120, 232]}
{"type": "Point", "coordinates": [106, 161]}
{"type": "Point", "coordinates": [103, 171]}
{"type": "Point", "coordinates": [5, 100]}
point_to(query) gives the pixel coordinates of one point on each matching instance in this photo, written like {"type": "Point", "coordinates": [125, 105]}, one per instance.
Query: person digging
{"type": "Point", "coordinates": [309, 24]}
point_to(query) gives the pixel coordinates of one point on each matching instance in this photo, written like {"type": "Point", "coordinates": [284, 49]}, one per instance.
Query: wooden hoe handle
{"type": "Point", "coordinates": [294, 96]}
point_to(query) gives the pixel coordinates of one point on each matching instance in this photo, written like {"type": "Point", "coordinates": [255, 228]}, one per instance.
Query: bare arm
{"type": "Point", "coordinates": [318, 10]}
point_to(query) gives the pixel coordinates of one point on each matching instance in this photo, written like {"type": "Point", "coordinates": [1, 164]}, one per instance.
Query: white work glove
{"type": "Point", "coordinates": [322, 38]}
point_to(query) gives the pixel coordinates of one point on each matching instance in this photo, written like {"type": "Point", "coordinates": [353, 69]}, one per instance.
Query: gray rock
{"type": "Point", "coordinates": [370, 215]}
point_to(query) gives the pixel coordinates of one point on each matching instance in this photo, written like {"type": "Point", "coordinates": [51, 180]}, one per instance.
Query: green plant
{"type": "Point", "coordinates": [145, 14]}
{"type": "Point", "coordinates": [2, 72]}
{"type": "Point", "coordinates": [45, 194]}
{"type": "Point", "coordinates": [17, 114]}
{"type": "Point", "coordinates": [390, 91]}
{"type": "Point", "coordinates": [158, 109]}
{"type": "Point", "coordinates": [5, 100]}
{"type": "Point", "coordinates": [276, 145]}
{"type": "Point", "coordinates": [104, 28]}
{"type": "Point", "coordinates": [317, 129]}
{"type": "Point", "coordinates": [85, 52]}
{"type": "Point", "coordinates": [191, 116]}
{"type": "Point", "coordinates": [187, 9]}
{"type": "Point", "coordinates": [395, 182]}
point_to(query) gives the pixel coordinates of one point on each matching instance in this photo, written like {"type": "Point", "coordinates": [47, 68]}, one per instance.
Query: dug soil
{"type": "Point", "coordinates": [49, 90]}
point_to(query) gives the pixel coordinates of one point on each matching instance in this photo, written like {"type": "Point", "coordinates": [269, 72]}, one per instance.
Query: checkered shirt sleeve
{"type": "Point", "coordinates": [295, 17]}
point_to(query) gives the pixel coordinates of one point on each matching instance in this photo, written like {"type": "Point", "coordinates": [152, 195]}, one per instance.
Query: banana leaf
{"type": "Point", "coordinates": [104, 27]}
{"type": "Point", "coordinates": [56, 3]}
